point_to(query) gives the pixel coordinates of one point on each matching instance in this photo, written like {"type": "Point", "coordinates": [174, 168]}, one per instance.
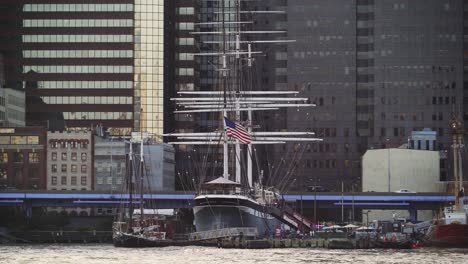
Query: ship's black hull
{"type": "Point", "coordinates": [218, 213]}
{"type": "Point", "coordinates": [406, 244]}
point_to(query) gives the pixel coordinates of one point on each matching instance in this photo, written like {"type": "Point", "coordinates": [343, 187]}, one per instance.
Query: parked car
{"type": "Point", "coordinates": [405, 191]}
{"type": "Point", "coordinates": [317, 188]}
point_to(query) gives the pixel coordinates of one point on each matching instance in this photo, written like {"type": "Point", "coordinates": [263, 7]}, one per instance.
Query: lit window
{"type": "Point", "coordinates": [33, 157]}
{"type": "Point", "coordinates": [54, 180]}
{"type": "Point", "coordinates": [3, 157]}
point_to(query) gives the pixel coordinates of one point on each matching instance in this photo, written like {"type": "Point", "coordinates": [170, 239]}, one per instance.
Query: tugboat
{"type": "Point", "coordinates": [391, 235]}
{"type": "Point", "coordinates": [452, 230]}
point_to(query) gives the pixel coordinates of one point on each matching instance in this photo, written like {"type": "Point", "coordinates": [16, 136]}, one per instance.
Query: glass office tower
{"type": "Point", "coordinates": [88, 62]}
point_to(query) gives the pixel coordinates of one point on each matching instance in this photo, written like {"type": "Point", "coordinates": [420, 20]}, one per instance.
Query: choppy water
{"type": "Point", "coordinates": [98, 253]}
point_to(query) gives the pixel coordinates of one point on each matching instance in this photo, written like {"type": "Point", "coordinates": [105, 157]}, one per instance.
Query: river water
{"type": "Point", "coordinates": [106, 253]}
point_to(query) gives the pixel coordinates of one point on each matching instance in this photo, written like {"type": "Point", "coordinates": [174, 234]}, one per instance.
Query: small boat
{"type": "Point", "coordinates": [390, 234]}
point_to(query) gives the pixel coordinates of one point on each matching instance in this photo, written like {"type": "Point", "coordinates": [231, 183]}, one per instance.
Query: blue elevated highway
{"type": "Point", "coordinates": [363, 200]}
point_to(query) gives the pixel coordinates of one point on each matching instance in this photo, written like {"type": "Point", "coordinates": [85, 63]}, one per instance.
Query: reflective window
{"type": "Point", "coordinates": [76, 38]}
{"type": "Point", "coordinates": [87, 99]}
{"type": "Point", "coordinates": [184, 26]}
{"type": "Point", "coordinates": [78, 53]}
{"type": "Point", "coordinates": [149, 71]}
{"type": "Point", "coordinates": [184, 71]}
{"type": "Point", "coordinates": [78, 68]}
{"type": "Point", "coordinates": [185, 11]}
{"type": "Point", "coordinates": [77, 23]}
{"type": "Point", "coordinates": [184, 56]}
{"type": "Point", "coordinates": [85, 85]}
{"type": "Point", "coordinates": [97, 115]}
{"type": "Point", "coordinates": [185, 41]}
{"type": "Point", "coordinates": [78, 8]}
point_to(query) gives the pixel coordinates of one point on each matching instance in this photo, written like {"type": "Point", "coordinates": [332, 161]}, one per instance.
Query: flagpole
{"type": "Point", "coordinates": [238, 149]}
{"type": "Point", "coordinates": [249, 150]}
{"type": "Point", "coordinates": [225, 151]}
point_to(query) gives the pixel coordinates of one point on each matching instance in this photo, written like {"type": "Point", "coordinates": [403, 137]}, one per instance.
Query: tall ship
{"type": "Point", "coordinates": [237, 199]}
{"type": "Point", "coordinates": [452, 229]}
{"type": "Point", "coordinates": [138, 223]}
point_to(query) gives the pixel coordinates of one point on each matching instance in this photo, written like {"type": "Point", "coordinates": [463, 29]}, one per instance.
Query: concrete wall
{"type": "Point", "coordinates": [416, 170]}
{"type": "Point", "coordinates": [394, 169]}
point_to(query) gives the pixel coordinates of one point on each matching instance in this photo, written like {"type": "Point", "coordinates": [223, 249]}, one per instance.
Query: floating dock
{"type": "Point", "coordinates": [334, 243]}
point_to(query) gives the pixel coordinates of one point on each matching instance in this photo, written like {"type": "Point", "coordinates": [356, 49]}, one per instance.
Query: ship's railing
{"type": "Point", "coordinates": [227, 192]}
{"type": "Point", "coordinates": [224, 232]}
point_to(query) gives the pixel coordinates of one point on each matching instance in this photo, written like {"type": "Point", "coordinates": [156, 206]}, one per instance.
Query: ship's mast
{"type": "Point", "coordinates": [130, 186]}
{"type": "Point", "coordinates": [234, 99]}
{"type": "Point", "coordinates": [457, 139]}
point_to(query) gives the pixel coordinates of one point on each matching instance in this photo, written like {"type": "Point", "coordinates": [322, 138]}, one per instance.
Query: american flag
{"type": "Point", "coordinates": [237, 131]}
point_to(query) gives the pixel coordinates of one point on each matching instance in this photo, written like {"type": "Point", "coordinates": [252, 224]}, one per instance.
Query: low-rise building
{"type": "Point", "coordinates": [70, 160]}
{"type": "Point", "coordinates": [12, 108]}
{"type": "Point", "coordinates": [109, 164]}
{"type": "Point", "coordinates": [23, 157]}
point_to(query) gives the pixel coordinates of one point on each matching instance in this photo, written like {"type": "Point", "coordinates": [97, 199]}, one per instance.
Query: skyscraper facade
{"type": "Point", "coordinates": [88, 62]}
{"type": "Point", "coordinates": [376, 70]}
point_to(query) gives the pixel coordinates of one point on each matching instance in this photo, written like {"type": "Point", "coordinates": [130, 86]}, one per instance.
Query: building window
{"type": "Point", "coordinates": [83, 168]}
{"type": "Point", "coordinates": [74, 168]}
{"type": "Point", "coordinates": [64, 156]}
{"type": "Point", "coordinates": [54, 180]}
{"type": "Point", "coordinates": [84, 156]}
{"type": "Point", "coordinates": [18, 157]}
{"type": "Point", "coordinates": [73, 180]}
{"type": "Point", "coordinates": [83, 180]}
{"type": "Point", "coordinates": [64, 180]}
{"type": "Point", "coordinates": [64, 167]}
{"type": "Point", "coordinates": [54, 156]}
{"type": "Point", "coordinates": [74, 156]}
{"type": "Point", "coordinates": [33, 157]}
{"type": "Point", "coordinates": [54, 168]}
{"type": "Point", "coordinates": [3, 174]}
{"type": "Point", "coordinates": [3, 157]}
